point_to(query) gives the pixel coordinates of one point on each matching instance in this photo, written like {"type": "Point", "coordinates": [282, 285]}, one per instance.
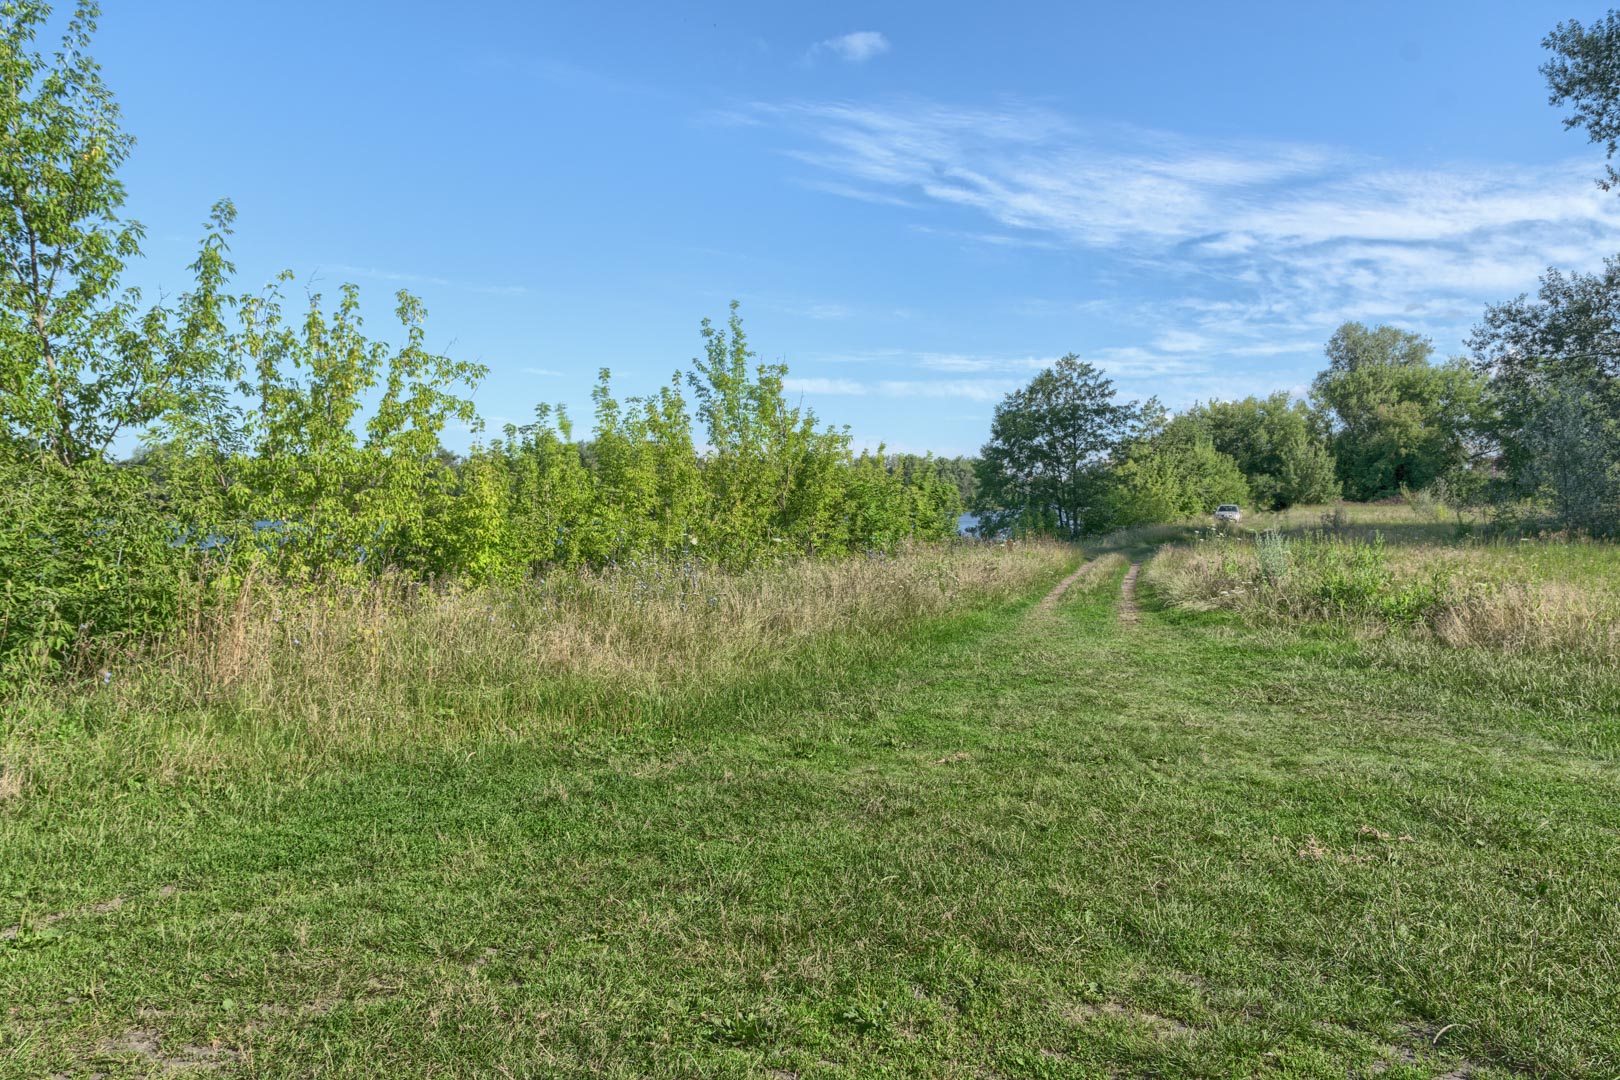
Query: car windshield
{"type": "Point", "coordinates": [1225, 506]}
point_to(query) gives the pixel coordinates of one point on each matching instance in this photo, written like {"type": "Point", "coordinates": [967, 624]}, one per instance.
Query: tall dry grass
{"type": "Point", "coordinates": [301, 675]}
{"type": "Point", "coordinates": [642, 623]}
{"type": "Point", "coordinates": [1522, 597]}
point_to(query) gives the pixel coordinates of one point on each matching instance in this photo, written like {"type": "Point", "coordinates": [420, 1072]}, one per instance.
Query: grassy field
{"type": "Point", "coordinates": [936, 827]}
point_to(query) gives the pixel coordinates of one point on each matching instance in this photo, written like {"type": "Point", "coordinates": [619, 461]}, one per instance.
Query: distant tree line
{"type": "Point", "coordinates": [1527, 425]}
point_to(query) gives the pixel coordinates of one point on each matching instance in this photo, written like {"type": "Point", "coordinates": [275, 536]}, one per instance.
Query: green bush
{"type": "Point", "coordinates": [1355, 579]}
{"type": "Point", "coordinates": [86, 555]}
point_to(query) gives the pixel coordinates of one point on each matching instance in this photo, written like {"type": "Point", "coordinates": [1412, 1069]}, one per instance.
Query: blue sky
{"type": "Point", "coordinates": [918, 205]}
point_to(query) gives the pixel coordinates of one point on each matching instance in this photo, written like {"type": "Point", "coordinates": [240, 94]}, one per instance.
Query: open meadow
{"type": "Point", "coordinates": [920, 816]}
{"type": "Point", "coordinates": [1164, 623]}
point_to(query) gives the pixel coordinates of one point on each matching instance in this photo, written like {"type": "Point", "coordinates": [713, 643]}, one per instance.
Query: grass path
{"type": "Point", "coordinates": [1005, 847]}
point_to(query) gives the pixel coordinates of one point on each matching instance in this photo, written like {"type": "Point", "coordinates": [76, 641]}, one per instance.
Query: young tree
{"type": "Point", "coordinates": [552, 493]}
{"type": "Point", "coordinates": [1176, 473]}
{"type": "Point", "coordinates": [771, 473]}
{"type": "Point", "coordinates": [80, 363]}
{"type": "Point", "coordinates": [1049, 443]}
{"type": "Point", "coordinates": [350, 489]}
{"type": "Point", "coordinates": [1396, 419]}
{"type": "Point", "coordinates": [1554, 369]}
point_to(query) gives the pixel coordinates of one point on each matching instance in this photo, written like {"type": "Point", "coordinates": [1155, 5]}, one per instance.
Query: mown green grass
{"type": "Point", "coordinates": [1009, 843]}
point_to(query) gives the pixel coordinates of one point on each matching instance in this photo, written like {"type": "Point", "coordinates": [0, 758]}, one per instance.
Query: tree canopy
{"type": "Point", "coordinates": [1044, 465]}
{"type": "Point", "coordinates": [1276, 444]}
{"type": "Point", "coordinates": [1584, 74]}
{"type": "Point", "coordinates": [1172, 470]}
{"type": "Point", "coordinates": [80, 361]}
{"type": "Point", "coordinates": [1553, 364]}
{"type": "Point", "coordinates": [1395, 419]}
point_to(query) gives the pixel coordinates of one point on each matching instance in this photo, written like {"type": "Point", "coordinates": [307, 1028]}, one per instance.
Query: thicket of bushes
{"type": "Point", "coordinates": [284, 443]}
{"type": "Point", "coordinates": [304, 485]}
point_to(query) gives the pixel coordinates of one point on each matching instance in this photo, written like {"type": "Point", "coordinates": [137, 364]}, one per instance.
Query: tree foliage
{"type": "Point", "coordinates": [957, 472]}
{"type": "Point", "coordinates": [1276, 445]}
{"type": "Point", "coordinates": [1045, 466]}
{"type": "Point", "coordinates": [1553, 364]}
{"type": "Point", "coordinates": [1584, 74]}
{"type": "Point", "coordinates": [1173, 471]}
{"type": "Point", "coordinates": [80, 361]}
{"type": "Point", "coordinates": [1396, 420]}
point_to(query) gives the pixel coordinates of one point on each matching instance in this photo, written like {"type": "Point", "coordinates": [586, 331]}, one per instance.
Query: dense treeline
{"type": "Point", "coordinates": [1067, 456]}
{"type": "Point", "coordinates": [1527, 428]}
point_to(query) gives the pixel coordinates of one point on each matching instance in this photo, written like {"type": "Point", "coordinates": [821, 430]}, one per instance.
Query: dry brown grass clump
{"type": "Point", "coordinates": [1514, 597]}
{"type": "Point", "coordinates": [351, 667]}
{"type": "Point", "coordinates": [12, 780]}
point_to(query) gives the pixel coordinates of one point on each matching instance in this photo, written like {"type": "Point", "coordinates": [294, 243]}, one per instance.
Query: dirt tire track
{"type": "Point", "coordinates": [1128, 611]}
{"type": "Point", "coordinates": [1049, 601]}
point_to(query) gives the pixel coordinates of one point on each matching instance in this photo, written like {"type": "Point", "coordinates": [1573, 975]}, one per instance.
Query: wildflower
{"type": "Point", "coordinates": [106, 676]}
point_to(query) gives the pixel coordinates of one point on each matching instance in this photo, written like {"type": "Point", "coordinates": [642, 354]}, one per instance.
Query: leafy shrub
{"type": "Point", "coordinates": [1350, 578]}
{"type": "Point", "coordinates": [85, 553]}
{"type": "Point", "coordinates": [1272, 551]}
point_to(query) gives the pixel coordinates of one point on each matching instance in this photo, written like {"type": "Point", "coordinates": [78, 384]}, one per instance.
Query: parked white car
{"type": "Point", "coordinates": [1228, 512]}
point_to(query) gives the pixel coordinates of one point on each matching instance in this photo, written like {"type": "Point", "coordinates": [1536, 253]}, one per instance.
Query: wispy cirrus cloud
{"type": "Point", "coordinates": [794, 384]}
{"type": "Point", "coordinates": [1218, 249]}
{"type": "Point", "coordinates": [978, 390]}
{"type": "Point", "coordinates": [959, 363]}
{"type": "Point", "coordinates": [425, 280]}
{"type": "Point", "coordinates": [853, 48]}
{"type": "Point", "coordinates": [981, 390]}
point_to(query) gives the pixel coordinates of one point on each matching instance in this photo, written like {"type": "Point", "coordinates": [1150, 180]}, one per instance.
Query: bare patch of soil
{"type": "Point", "coordinates": [1162, 1026]}
{"type": "Point", "coordinates": [1128, 611]}
{"type": "Point", "coordinates": [147, 1044]}
{"type": "Point", "coordinates": [1049, 601]}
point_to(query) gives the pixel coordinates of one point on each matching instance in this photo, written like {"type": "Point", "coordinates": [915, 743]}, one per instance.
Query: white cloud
{"type": "Point", "coordinates": [423, 280]}
{"type": "Point", "coordinates": [954, 362]}
{"type": "Point", "coordinates": [855, 48]}
{"type": "Point", "coordinates": [849, 191]}
{"type": "Point", "coordinates": [843, 387]}
{"type": "Point", "coordinates": [1268, 244]}
{"type": "Point", "coordinates": [971, 389]}
{"type": "Point", "coordinates": [1181, 341]}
